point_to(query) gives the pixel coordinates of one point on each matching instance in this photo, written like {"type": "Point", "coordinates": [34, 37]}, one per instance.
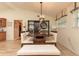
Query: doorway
{"type": "Point", "coordinates": [17, 29]}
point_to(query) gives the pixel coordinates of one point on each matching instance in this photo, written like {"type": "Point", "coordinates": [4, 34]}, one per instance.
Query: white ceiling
{"type": "Point", "coordinates": [49, 8]}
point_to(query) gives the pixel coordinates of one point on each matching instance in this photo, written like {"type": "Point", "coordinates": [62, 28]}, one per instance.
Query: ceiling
{"type": "Point", "coordinates": [49, 8]}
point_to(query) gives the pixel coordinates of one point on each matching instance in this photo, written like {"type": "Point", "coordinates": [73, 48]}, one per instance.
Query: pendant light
{"type": "Point", "coordinates": [41, 17]}
{"type": "Point", "coordinates": [43, 24]}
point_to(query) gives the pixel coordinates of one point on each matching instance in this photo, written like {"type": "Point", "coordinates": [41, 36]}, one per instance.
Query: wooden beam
{"type": "Point", "coordinates": [75, 7]}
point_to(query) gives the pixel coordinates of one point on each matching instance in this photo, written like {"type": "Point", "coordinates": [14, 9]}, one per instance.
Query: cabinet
{"type": "Point", "coordinates": [2, 32]}
{"type": "Point", "coordinates": [2, 22]}
{"type": "Point", "coordinates": [2, 36]}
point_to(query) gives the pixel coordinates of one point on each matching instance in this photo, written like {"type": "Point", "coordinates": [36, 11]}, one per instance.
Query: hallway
{"type": "Point", "coordinates": [60, 21]}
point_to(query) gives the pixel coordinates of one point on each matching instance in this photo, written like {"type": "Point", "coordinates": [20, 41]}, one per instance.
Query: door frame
{"type": "Point", "coordinates": [20, 23]}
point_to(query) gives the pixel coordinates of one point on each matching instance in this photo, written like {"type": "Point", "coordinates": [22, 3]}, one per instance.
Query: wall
{"type": "Point", "coordinates": [69, 35]}
{"type": "Point", "coordinates": [19, 14]}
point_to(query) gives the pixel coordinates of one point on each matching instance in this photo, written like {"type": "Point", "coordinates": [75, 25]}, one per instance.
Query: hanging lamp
{"type": "Point", "coordinates": [41, 16]}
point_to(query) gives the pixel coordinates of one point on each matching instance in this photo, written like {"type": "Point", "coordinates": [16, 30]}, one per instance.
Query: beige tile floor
{"type": "Point", "coordinates": [9, 48]}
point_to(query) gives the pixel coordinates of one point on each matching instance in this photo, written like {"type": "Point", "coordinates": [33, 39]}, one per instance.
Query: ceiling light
{"type": "Point", "coordinates": [41, 16]}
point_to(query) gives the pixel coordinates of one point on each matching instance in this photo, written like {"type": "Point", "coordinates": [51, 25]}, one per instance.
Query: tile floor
{"type": "Point", "coordinates": [9, 48]}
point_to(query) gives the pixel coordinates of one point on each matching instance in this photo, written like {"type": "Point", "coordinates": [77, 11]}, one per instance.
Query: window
{"type": "Point", "coordinates": [61, 22]}
{"type": "Point", "coordinates": [76, 14]}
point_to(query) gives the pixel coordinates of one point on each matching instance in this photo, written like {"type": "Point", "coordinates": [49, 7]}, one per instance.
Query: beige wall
{"type": "Point", "coordinates": [18, 14]}
{"type": "Point", "coordinates": [69, 35]}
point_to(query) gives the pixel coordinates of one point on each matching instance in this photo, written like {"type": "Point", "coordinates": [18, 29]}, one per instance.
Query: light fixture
{"type": "Point", "coordinates": [41, 16]}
